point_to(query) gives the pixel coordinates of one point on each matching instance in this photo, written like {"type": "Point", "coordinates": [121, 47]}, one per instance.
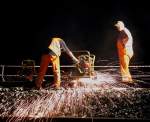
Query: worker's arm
{"type": "Point", "coordinates": [67, 50]}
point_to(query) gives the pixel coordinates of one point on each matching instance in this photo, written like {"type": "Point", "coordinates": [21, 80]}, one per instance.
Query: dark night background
{"type": "Point", "coordinates": [25, 27]}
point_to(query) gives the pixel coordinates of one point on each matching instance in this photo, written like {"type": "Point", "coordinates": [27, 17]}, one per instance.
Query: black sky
{"type": "Point", "coordinates": [25, 27]}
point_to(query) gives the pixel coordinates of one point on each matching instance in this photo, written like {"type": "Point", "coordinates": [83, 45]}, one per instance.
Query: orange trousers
{"type": "Point", "coordinates": [46, 59]}
{"type": "Point", "coordinates": [125, 55]}
{"type": "Point", "coordinates": [124, 67]}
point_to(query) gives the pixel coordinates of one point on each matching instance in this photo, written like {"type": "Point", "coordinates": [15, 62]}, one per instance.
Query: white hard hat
{"type": "Point", "coordinates": [119, 23]}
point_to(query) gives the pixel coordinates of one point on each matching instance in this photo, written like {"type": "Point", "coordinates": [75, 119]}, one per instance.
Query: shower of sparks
{"type": "Point", "coordinates": [99, 96]}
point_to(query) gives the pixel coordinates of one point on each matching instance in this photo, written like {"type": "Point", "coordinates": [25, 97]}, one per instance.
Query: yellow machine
{"type": "Point", "coordinates": [86, 65]}
{"type": "Point", "coordinates": [85, 68]}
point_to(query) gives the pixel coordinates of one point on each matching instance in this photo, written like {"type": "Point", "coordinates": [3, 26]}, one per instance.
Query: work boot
{"type": "Point", "coordinates": [127, 80]}
{"type": "Point", "coordinates": [38, 85]}
{"type": "Point", "coordinates": [130, 80]}
{"type": "Point", "coordinates": [55, 85]}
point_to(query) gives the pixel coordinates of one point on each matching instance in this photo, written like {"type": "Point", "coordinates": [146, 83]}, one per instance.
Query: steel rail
{"type": "Point", "coordinates": [96, 66]}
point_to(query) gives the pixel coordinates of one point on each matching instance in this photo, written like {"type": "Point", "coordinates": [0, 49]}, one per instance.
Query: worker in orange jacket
{"type": "Point", "coordinates": [52, 56]}
{"type": "Point", "coordinates": [125, 51]}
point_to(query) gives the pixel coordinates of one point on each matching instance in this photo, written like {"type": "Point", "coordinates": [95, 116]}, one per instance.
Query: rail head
{"type": "Point", "coordinates": [136, 66]}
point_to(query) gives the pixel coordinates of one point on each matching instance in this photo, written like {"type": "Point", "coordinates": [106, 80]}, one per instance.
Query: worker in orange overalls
{"type": "Point", "coordinates": [52, 56]}
{"type": "Point", "coordinates": [125, 51]}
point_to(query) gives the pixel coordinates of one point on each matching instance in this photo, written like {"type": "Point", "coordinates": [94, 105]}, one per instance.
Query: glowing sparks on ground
{"type": "Point", "coordinates": [101, 96]}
